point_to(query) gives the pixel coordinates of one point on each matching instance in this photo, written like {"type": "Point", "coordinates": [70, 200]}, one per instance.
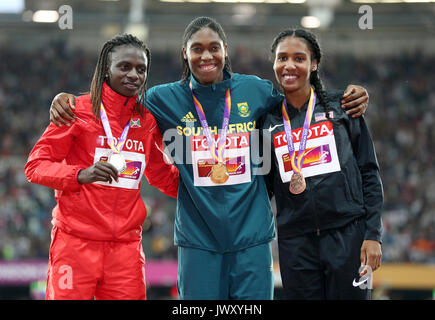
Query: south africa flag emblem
{"type": "Point", "coordinates": [243, 109]}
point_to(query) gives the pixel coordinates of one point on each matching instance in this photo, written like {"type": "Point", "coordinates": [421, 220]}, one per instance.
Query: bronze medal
{"type": "Point", "coordinates": [297, 183]}
{"type": "Point", "coordinates": [219, 173]}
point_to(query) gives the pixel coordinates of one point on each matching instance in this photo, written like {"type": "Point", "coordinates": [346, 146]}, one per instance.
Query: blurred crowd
{"type": "Point", "coordinates": [400, 116]}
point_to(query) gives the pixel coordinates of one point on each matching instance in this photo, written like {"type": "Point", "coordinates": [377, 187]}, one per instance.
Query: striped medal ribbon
{"type": "Point", "coordinates": [115, 156]}
{"type": "Point", "coordinates": [297, 182]}
{"type": "Point", "coordinates": [219, 172]}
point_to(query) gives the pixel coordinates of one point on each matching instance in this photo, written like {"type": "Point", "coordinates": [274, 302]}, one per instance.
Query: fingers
{"type": "Point", "coordinates": [349, 91]}
{"type": "Point", "coordinates": [356, 108]}
{"type": "Point", "coordinates": [56, 118]}
{"type": "Point", "coordinates": [355, 100]}
{"type": "Point", "coordinates": [72, 101]}
{"type": "Point", "coordinates": [112, 170]}
{"type": "Point", "coordinates": [370, 258]}
{"type": "Point", "coordinates": [62, 109]}
{"type": "Point", "coordinates": [377, 257]}
{"type": "Point", "coordinates": [357, 111]}
{"type": "Point", "coordinates": [106, 172]}
{"type": "Point", "coordinates": [53, 119]}
{"type": "Point", "coordinates": [373, 261]}
{"type": "Point", "coordinates": [100, 171]}
{"type": "Point", "coordinates": [353, 92]}
{"type": "Point", "coordinates": [362, 259]}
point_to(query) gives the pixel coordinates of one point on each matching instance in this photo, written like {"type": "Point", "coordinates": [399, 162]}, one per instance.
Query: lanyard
{"type": "Point", "coordinates": [110, 140]}
{"type": "Point", "coordinates": [297, 166]}
{"type": "Point", "coordinates": [217, 152]}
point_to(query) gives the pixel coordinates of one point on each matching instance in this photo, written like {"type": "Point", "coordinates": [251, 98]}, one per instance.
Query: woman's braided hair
{"type": "Point", "coordinates": [103, 65]}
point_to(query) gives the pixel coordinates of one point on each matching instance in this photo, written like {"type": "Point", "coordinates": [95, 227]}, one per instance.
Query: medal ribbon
{"type": "Point", "coordinates": [216, 152]}
{"type": "Point", "coordinates": [297, 166]}
{"type": "Point", "coordinates": [110, 140]}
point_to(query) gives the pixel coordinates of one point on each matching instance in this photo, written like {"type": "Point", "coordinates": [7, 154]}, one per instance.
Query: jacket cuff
{"type": "Point", "coordinates": [76, 186]}
{"type": "Point", "coordinates": [373, 236]}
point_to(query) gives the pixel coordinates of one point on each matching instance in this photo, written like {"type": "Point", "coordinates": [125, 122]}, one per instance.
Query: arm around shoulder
{"type": "Point", "coordinates": [62, 110]}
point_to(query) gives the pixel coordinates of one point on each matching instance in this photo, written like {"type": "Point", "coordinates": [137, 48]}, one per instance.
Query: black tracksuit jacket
{"type": "Point", "coordinates": [334, 199]}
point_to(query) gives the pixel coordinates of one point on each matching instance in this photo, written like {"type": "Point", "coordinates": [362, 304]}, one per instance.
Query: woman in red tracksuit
{"type": "Point", "coordinates": [95, 166]}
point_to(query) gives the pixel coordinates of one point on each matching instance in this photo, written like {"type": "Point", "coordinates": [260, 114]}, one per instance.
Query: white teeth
{"type": "Point", "coordinates": [207, 67]}
{"type": "Point", "coordinates": [289, 77]}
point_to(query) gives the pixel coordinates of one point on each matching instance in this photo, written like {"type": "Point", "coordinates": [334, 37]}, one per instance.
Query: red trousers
{"type": "Point", "coordinates": [81, 269]}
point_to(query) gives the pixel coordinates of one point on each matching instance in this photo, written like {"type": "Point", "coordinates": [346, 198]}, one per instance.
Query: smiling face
{"type": "Point", "coordinates": [293, 65]}
{"type": "Point", "coordinates": [128, 70]}
{"type": "Point", "coordinates": [205, 53]}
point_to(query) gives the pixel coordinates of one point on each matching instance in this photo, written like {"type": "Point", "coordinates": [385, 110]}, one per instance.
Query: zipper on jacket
{"type": "Point", "coordinates": [314, 211]}
{"type": "Point", "coordinates": [316, 218]}
{"type": "Point", "coordinates": [114, 214]}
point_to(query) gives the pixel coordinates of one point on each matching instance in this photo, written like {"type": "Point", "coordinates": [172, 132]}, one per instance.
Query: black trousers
{"type": "Point", "coordinates": [324, 266]}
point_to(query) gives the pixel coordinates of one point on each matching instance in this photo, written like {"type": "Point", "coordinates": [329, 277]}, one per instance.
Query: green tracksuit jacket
{"type": "Point", "coordinates": [237, 214]}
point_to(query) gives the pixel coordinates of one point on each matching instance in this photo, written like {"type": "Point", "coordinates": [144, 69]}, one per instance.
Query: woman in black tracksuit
{"type": "Point", "coordinates": [332, 226]}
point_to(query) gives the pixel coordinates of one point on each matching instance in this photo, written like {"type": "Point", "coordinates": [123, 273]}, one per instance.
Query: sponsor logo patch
{"type": "Point", "coordinates": [320, 154]}
{"type": "Point", "coordinates": [189, 117]}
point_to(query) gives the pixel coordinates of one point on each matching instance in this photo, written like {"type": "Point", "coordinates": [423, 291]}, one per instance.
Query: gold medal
{"type": "Point", "coordinates": [297, 183]}
{"type": "Point", "coordinates": [219, 173]}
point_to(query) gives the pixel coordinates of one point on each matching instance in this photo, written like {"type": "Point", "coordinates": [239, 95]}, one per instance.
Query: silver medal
{"type": "Point", "coordinates": [118, 161]}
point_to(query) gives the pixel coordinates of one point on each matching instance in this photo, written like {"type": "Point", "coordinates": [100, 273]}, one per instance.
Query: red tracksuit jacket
{"type": "Point", "coordinates": [101, 211]}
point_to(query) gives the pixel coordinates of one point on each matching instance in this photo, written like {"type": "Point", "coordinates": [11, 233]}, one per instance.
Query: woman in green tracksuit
{"type": "Point", "coordinates": [328, 192]}
{"type": "Point", "coordinates": [224, 223]}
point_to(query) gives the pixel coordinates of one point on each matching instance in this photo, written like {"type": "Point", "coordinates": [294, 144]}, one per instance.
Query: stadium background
{"type": "Point", "coordinates": [395, 61]}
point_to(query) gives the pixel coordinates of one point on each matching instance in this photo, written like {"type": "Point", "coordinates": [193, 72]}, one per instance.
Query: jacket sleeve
{"type": "Point", "coordinates": [268, 154]}
{"type": "Point", "coordinates": [373, 194]}
{"type": "Point", "coordinates": [272, 96]}
{"type": "Point", "coordinates": [46, 163]}
{"type": "Point", "coordinates": [158, 171]}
